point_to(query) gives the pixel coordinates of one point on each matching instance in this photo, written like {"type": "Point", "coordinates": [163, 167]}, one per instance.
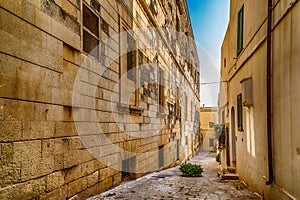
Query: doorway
{"type": "Point", "coordinates": [160, 157]}
{"type": "Point", "coordinates": [233, 136]}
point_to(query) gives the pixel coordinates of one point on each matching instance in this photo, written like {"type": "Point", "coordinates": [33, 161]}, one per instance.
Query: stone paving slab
{"type": "Point", "coordinates": [169, 184]}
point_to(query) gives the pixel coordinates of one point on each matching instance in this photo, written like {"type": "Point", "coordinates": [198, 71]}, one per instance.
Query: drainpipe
{"type": "Point", "coordinates": [269, 98]}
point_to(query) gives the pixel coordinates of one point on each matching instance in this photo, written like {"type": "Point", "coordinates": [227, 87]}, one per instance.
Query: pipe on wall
{"type": "Point", "coordinates": [269, 97]}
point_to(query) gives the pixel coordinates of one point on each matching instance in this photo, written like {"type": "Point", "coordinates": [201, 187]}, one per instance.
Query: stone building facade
{"type": "Point", "coordinates": [258, 101]}
{"type": "Point", "coordinates": [94, 92]}
{"type": "Point", "coordinates": [207, 121]}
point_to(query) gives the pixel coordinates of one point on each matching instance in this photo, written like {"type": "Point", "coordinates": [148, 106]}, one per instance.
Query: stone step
{"type": "Point", "coordinates": [231, 169]}
{"type": "Point", "coordinates": [230, 176]}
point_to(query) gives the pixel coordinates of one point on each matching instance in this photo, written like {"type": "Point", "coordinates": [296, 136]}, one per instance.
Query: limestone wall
{"type": "Point", "coordinates": [65, 131]}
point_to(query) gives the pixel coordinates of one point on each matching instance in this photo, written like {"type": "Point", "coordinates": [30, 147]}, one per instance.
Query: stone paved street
{"type": "Point", "coordinates": [169, 184]}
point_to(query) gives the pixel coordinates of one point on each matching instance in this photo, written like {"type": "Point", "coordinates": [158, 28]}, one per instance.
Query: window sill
{"type": "Point", "coordinates": [123, 108]}
{"type": "Point", "coordinates": [133, 110]}
{"type": "Point", "coordinates": [129, 109]}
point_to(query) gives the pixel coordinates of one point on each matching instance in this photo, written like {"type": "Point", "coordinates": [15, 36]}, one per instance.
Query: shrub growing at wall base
{"type": "Point", "coordinates": [218, 157]}
{"type": "Point", "coordinates": [191, 170]}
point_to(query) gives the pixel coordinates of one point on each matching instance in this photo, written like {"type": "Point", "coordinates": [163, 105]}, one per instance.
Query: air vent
{"type": "Point", "coordinates": [247, 92]}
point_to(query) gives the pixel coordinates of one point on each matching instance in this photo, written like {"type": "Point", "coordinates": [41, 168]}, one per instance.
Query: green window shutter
{"type": "Point", "coordinates": [240, 30]}
{"type": "Point", "coordinates": [240, 112]}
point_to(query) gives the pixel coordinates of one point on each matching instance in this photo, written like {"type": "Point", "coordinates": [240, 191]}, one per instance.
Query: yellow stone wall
{"type": "Point", "coordinates": [49, 145]}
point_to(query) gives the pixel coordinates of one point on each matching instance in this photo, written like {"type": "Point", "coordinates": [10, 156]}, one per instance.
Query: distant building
{"type": "Point", "coordinates": [208, 120]}
{"type": "Point", "coordinates": [91, 94]}
{"type": "Point", "coordinates": [259, 100]}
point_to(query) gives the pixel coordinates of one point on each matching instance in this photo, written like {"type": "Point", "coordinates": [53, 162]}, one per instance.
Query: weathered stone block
{"type": "Point", "coordinates": [93, 178]}
{"type": "Point", "coordinates": [6, 156]}
{"type": "Point", "coordinates": [68, 36]}
{"type": "Point", "coordinates": [28, 11]}
{"type": "Point", "coordinates": [27, 47]}
{"type": "Point", "coordinates": [38, 130]}
{"type": "Point", "coordinates": [117, 179]}
{"type": "Point", "coordinates": [19, 111]}
{"type": "Point", "coordinates": [10, 130]}
{"type": "Point", "coordinates": [106, 184]}
{"type": "Point", "coordinates": [65, 129]}
{"type": "Point", "coordinates": [58, 194]}
{"type": "Point", "coordinates": [26, 190]}
{"type": "Point", "coordinates": [55, 113]}
{"type": "Point", "coordinates": [9, 174]}
{"type": "Point", "coordinates": [42, 20]}
{"type": "Point", "coordinates": [71, 55]}
{"type": "Point", "coordinates": [52, 44]}
{"type": "Point", "coordinates": [28, 155]}
{"type": "Point", "coordinates": [75, 157]}
{"type": "Point", "coordinates": [36, 3]}
{"type": "Point", "coordinates": [88, 168]}
{"type": "Point", "coordinates": [54, 181]}
{"type": "Point", "coordinates": [72, 173]}
{"type": "Point", "coordinates": [20, 28]}
{"type": "Point", "coordinates": [107, 172]}
{"type": "Point", "coordinates": [77, 186]}
{"type": "Point", "coordinates": [13, 6]}
{"type": "Point", "coordinates": [71, 9]}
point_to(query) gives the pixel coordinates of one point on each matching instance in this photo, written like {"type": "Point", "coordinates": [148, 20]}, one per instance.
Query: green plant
{"type": "Point", "coordinates": [191, 170]}
{"type": "Point", "coordinates": [218, 157]}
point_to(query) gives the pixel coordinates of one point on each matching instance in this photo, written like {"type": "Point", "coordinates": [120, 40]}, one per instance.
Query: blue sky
{"type": "Point", "coordinates": [209, 20]}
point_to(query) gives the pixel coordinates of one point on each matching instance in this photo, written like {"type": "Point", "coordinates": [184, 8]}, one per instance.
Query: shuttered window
{"type": "Point", "coordinates": [240, 31]}
{"type": "Point", "coordinates": [240, 112]}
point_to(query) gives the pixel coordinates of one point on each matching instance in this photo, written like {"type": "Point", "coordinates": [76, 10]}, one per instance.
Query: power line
{"type": "Point", "coordinates": [210, 83]}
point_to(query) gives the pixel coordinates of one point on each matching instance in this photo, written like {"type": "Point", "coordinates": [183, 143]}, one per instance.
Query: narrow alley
{"type": "Point", "coordinates": [169, 184]}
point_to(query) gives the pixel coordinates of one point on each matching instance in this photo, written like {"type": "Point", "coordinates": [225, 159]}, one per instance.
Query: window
{"type": "Point", "coordinates": [160, 157]}
{"type": "Point", "coordinates": [224, 62]}
{"type": "Point", "coordinates": [191, 111]}
{"type": "Point", "coordinates": [171, 108]}
{"type": "Point", "coordinates": [240, 31]}
{"type": "Point", "coordinates": [186, 108]}
{"type": "Point", "coordinates": [131, 58]}
{"type": "Point", "coordinates": [91, 35]}
{"type": "Point", "coordinates": [129, 95]}
{"type": "Point", "coordinates": [211, 124]}
{"type": "Point", "coordinates": [211, 142]}
{"type": "Point", "coordinates": [178, 102]}
{"type": "Point", "coordinates": [161, 90]}
{"type": "Point", "coordinates": [240, 112]}
{"type": "Point", "coordinates": [223, 117]}
{"type": "Point", "coordinates": [177, 24]}
{"type": "Point", "coordinates": [128, 168]}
